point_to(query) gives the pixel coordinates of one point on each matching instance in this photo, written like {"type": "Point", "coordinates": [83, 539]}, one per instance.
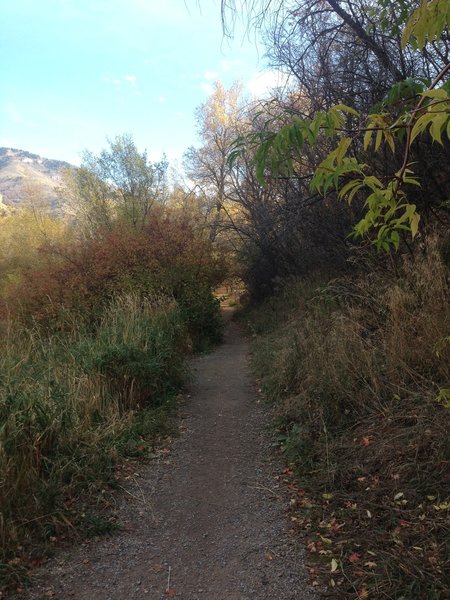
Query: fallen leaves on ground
{"type": "Point", "coordinates": [354, 557]}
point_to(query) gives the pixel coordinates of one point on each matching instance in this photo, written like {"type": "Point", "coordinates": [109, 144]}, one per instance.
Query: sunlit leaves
{"type": "Point", "coordinates": [426, 23]}
{"type": "Point", "coordinates": [435, 115]}
{"type": "Point", "coordinates": [278, 151]}
{"type": "Point", "coordinates": [335, 166]}
{"type": "Point", "coordinates": [379, 126]}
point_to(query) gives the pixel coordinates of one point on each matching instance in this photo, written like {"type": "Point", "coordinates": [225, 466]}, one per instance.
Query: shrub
{"type": "Point", "coordinates": [168, 256]}
{"type": "Point", "coordinates": [67, 407]}
{"type": "Point", "coordinates": [200, 311]}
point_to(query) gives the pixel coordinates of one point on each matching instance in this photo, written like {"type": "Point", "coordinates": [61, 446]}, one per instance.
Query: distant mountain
{"type": "Point", "coordinates": [26, 178]}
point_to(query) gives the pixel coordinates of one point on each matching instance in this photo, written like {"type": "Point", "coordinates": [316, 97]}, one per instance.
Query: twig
{"type": "Point", "coordinates": [143, 500]}
{"type": "Point", "coordinates": [268, 489]}
{"type": "Point", "coordinates": [168, 580]}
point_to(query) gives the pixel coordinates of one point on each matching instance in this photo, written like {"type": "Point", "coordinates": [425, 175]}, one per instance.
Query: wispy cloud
{"type": "Point", "coordinates": [211, 75]}
{"type": "Point", "coordinates": [128, 79]}
{"type": "Point", "coordinates": [230, 65]}
{"type": "Point", "coordinates": [261, 84]}
{"type": "Point", "coordinates": [207, 88]}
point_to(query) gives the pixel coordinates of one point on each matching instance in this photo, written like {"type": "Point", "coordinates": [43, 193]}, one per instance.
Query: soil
{"type": "Point", "coordinates": [208, 521]}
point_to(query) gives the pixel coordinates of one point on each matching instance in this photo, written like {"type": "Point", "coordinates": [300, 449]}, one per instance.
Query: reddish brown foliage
{"type": "Point", "coordinates": [167, 254]}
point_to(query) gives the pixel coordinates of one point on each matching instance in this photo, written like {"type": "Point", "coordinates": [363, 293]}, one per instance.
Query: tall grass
{"type": "Point", "coordinates": [355, 367]}
{"type": "Point", "coordinates": [69, 405]}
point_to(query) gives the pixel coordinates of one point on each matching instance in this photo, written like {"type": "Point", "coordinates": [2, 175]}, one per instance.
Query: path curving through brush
{"type": "Point", "coordinates": [207, 522]}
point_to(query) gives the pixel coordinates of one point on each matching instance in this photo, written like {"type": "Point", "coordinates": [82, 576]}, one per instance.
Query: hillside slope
{"type": "Point", "coordinates": [26, 178]}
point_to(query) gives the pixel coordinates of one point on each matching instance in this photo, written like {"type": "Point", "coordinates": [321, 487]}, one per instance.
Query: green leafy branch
{"type": "Point", "coordinates": [388, 212]}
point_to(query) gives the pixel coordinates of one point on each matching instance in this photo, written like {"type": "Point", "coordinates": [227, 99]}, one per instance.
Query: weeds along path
{"type": "Point", "coordinates": [209, 515]}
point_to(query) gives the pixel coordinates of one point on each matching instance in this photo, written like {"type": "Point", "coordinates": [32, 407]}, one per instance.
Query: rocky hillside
{"type": "Point", "coordinates": [27, 178]}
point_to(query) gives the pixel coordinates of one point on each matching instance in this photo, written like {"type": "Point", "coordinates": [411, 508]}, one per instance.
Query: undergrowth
{"type": "Point", "coordinates": [72, 402]}
{"type": "Point", "coordinates": [358, 369]}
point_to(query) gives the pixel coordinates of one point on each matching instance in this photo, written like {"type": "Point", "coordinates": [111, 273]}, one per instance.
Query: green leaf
{"type": "Point", "coordinates": [342, 148]}
{"type": "Point", "coordinates": [437, 125]}
{"type": "Point", "coordinates": [378, 139]}
{"type": "Point", "coordinates": [420, 125]}
{"type": "Point", "coordinates": [346, 109]}
{"type": "Point", "coordinates": [389, 139]}
{"type": "Point", "coordinates": [438, 94]}
{"type": "Point", "coordinates": [395, 239]}
{"type": "Point", "coordinates": [368, 138]}
{"type": "Point", "coordinates": [414, 224]}
{"type": "Point", "coordinates": [348, 187]}
{"type": "Point", "coordinates": [373, 182]}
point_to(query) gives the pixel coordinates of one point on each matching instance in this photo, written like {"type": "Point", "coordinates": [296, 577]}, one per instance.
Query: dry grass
{"type": "Point", "coordinates": [69, 407]}
{"type": "Point", "coordinates": [355, 368]}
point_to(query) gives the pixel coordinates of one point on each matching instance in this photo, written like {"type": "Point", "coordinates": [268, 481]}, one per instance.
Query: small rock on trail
{"type": "Point", "coordinates": [204, 523]}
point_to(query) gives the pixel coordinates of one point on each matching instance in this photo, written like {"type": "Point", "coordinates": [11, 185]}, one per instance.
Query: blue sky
{"type": "Point", "coordinates": [77, 71]}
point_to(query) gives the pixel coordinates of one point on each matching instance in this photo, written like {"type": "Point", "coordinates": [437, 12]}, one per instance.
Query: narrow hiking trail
{"type": "Point", "coordinates": [209, 514]}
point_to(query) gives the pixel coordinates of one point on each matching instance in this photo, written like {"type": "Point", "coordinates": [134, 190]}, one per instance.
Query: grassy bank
{"type": "Point", "coordinates": [357, 369]}
{"type": "Point", "coordinates": [71, 404]}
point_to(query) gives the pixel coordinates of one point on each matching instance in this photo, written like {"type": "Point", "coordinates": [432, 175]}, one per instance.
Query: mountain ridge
{"type": "Point", "coordinates": [26, 177]}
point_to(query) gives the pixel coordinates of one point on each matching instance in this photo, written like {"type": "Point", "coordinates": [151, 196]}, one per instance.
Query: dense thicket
{"type": "Point", "coordinates": [333, 53]}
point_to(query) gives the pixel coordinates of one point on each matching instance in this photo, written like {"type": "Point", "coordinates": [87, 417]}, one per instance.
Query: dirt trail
{"type": "Point", "coordinates": [210, 514]}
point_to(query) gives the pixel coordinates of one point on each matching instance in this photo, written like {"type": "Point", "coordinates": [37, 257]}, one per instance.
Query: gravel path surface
{"type": "Point", "coordinates": [209, 515]}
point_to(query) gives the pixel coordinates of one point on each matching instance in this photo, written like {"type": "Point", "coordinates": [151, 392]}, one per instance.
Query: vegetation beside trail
{"type": "Point", "coordinates": [70, 405]}
{"type": "Point", "coordinates": [98, 315]}
{"type": "Point", "coordinates": [354, 366]}
{"type": "Point", "coordinates": [337, 199]}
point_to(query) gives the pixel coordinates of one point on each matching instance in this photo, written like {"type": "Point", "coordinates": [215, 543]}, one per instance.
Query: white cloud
{"type": "Point", "coordinates": [262, 83]}
{"type": "Point", "coordinates": [162, 99]}
{"type": "Point", "coordinates": [211, 75]}
{"type": "Point", "coordinates": [207, 88]}
{"type": "Point", "coordinates": [130, 79]}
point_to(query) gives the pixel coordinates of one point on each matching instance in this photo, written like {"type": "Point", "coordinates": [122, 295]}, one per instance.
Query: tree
{"type": "Point", "coordinates": [413, 107]}
{"type": "Point", "coordinates": [88, 200]}
{"type": "Point", "coordinates": [207, 165]}
{"type": "Point", "coordinates": [118, 184]}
